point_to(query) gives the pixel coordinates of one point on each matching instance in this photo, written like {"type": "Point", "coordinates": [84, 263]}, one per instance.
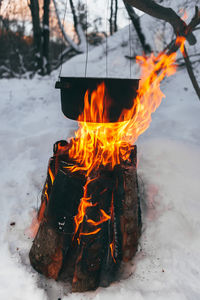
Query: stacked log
{"type": "Point", "coordinates": [87, 260]}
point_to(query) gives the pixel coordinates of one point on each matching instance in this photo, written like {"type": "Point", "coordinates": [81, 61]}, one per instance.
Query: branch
{"type": "Point", "coordinates": [191, 73]}
{"type": "Point", "coordinates": [115, 15]}
{"type": "Point", "coordinates": [172, 46]}
{"type": "Point", "coordinates": [166, 14]}
{"type": "Point", "coordinates": [78, 29]}
{"type": "Point", "coordinates": [82, 38]}
{"type": "Point", "coordinates": [66, 37]}
{"type": "Point", "coordinates": [136, 23]}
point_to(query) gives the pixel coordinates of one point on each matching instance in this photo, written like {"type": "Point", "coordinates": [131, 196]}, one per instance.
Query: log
{"type": "Point", "coordinates": [56, 229]}
{"type": "Point", "coordinates": [87, 260]}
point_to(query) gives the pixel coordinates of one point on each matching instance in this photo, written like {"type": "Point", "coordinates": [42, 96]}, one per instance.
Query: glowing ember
{"type": "Point", "coordinates": [97, 143]}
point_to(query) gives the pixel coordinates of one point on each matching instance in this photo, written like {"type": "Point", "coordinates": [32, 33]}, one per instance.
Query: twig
{"type": "Point", "coordinates": [191, 73]}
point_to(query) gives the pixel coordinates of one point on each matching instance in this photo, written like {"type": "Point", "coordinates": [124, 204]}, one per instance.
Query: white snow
{"type": "Point", "coordinates": [108, 59]}
{"type": "Point", "coordinates": [167, 265]}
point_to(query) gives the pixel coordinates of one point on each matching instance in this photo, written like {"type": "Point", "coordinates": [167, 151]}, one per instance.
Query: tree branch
{"type": "Point", "coordinates": [173, 47]}
{"type": "Point", "coordinates": [66, 37]}
{"type": "Point", "coordinates": [115, 15]}
{"type": "Point", "coordinates": [166, 14]}
{"type": "Point", "coordinates": [136, 24]}
{"type": "Point", "coordinates": [191, 73]}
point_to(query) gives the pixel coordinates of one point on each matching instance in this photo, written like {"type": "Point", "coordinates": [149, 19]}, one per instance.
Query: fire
{"type": "Point", "coordinates": [99, 143]}
{"type": "Point", "coordinates": [112, 251]}
{"type": "Point", "coordinates": [51, 175]}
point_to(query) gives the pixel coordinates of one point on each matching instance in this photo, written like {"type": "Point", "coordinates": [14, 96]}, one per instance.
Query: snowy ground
{"type": "Point", "coordinates": [168, 263]}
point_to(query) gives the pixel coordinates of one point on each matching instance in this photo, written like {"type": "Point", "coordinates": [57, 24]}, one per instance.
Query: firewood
{"type": "Point", "coordinates": [56, 229]}
{"type": "Point", "coordinates": [91, 256]}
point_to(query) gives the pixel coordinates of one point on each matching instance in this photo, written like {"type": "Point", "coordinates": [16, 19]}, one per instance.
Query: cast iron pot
{"type": "Point", "coordinates": [122, 93]}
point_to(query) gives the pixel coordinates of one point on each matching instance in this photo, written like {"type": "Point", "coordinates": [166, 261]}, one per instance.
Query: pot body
{"type": "Point", "coordinates": [120, 92]}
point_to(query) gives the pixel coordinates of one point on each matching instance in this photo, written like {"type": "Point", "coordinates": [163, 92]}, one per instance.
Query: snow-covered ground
{"type": "Point", "coordinates": [167, 265]}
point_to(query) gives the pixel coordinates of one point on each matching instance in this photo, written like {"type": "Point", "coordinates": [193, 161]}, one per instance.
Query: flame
{"type": "Point", "coordinates": [51, 176]}
{"type": "Point", "coordinates": [103, 219]}
{"type": "Point", "coordinates": [112, 251]}
{"type": "Point", "coordinates": [102, 143]}
{"type": "Point", "coordinates": [90, 233]}
{"type": "Point", "coordinates": [99, 143]}
{"type": "Point", "coordinates": [180, 41]}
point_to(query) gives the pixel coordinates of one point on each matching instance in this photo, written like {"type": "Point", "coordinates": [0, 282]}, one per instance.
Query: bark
{"type": "Point", "coordinates": [78, 28]}
{"type": "Point", "coordinates": [115, 15]}
{"type": "Point", "coordinates": [111, 17]}
{"type": "Point", "coordinates": [73, 13]}
{"type": "Point", "coordinates": [191, 73]}
{"type": "Point", "coordinates": [163, 13]}
{"type": "Point", "coordinates": [45, 48]}
{"type": "Point", "coordinates": [89, 263]}
{"type": "Point", "coordinates": [34, 7]}
{"type": "Point", "coordinates": [136, 23]}
{"type": "Point", "coordinates": [67, 39]}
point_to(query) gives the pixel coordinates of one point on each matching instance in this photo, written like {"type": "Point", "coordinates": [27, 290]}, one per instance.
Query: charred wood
{"type": "Point", "coordinates": [91, 256]}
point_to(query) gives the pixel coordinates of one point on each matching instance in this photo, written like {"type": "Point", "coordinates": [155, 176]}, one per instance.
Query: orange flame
{"type": "Point", "coordinates": [112, 251]}
{"type": "Point", "coordinates": [51, 175]}
{"type": "Point", "coordinates": [180, 41]}
{"type": "Point", "coordinates": [102, 143]}
{"type": "Point", "coordinates": [99, 143]}
{"type": "Point", "coordinates": [103, 219]}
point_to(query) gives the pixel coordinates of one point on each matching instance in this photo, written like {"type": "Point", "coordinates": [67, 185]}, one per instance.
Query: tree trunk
{"type": "Point", "coordinates": [67, 39]}
{"type": "Point", "coordinates": [136, 24]}
{"type": "Point", "coordinates": [115, 15]}
{"type": "Point", "coordinates": [92, 255]}
{"type": "Point", "coordinates": [74, 14]}
{"type": "Point", "coordinates": [45, 48]}
{"type": "Point", "coordinates": [34, 7]}
{"type": "Point", "coordinates": [111, 17]}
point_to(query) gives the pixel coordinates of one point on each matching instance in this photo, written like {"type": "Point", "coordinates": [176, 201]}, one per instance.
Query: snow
{"type": "Point", "coordinates": [168, 261]}
{"type": "Point", "coordinates": [108, 59]}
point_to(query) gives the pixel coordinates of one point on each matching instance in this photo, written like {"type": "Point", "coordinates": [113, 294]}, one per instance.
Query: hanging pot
{"type": "Point", "coordinates": [121, 92]}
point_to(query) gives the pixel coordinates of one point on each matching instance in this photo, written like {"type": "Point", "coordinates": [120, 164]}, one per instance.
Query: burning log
{"type": "Point", "coordinates": [90, 218]}
{"type": "Point", "coordinates": [89, 255]}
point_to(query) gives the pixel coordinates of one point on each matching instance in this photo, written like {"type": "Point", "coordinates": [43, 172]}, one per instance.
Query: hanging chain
{"type": "Point", "coordinates": [87, 45]}
{"type": "Point", "coordinates": [63, 23]}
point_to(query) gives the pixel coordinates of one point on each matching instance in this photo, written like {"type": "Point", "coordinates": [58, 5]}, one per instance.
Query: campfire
{"type": "Point", "coordinates": [89, 219]}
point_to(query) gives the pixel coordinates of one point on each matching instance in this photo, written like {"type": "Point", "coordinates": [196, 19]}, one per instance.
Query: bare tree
{"type": "Point", "coordinates": [113, 16]}
{"type": "Point", "coordinates": [79, 47]}
{"type": "Point", "coordinates": [179, 26]}
{"type": "Point", "coordinates": [136, 24]}
{"type": "Point", "coordinates": [37, 32]}
{"type": "Point", "coordinates": [164, 13]}
{"type": "Point", "coordinates": [45, 46]}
